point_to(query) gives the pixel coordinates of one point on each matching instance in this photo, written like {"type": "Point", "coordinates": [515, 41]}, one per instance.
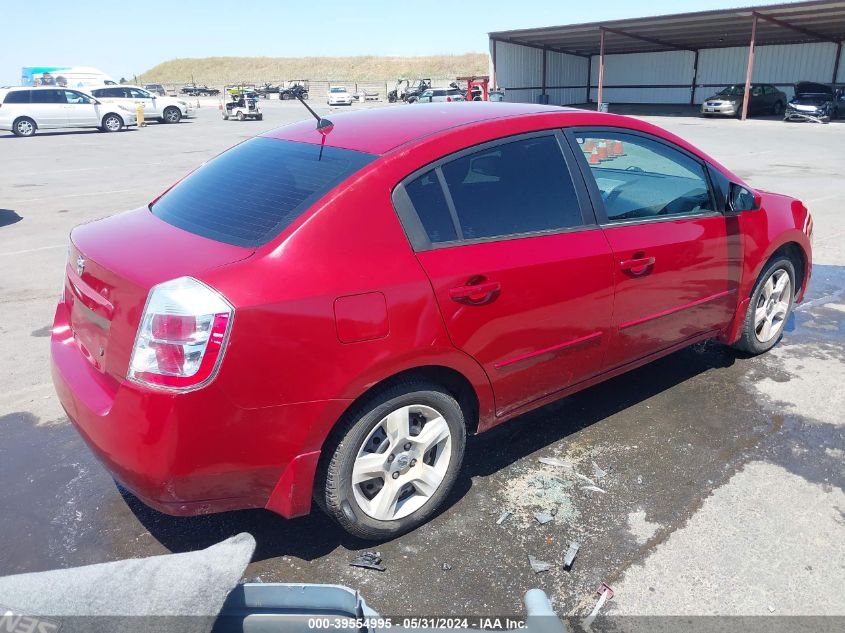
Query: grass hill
{"type": "Point", "coordinates": [224, 70]}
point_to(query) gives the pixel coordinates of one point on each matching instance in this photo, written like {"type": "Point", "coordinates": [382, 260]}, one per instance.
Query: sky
{"type": "Point", "coordinates": [125, 39]}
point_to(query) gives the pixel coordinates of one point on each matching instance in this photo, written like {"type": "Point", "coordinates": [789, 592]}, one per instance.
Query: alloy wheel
{"type": "Point", "coordinates": [25, 127]}
{"type": "Point", "coordinates": [772, 306]}
{"type": "Point", "coordinates": [113, 123]}
{"type": "Point", "coordinates": [402, 462]}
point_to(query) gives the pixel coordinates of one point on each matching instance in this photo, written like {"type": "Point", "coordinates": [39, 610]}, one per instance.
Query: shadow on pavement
{"type": "Point", "coordinates": [316, 535]}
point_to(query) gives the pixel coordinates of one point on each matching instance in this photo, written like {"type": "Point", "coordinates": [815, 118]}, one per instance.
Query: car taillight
{"type": "Point", "coordinates": [181, 337]}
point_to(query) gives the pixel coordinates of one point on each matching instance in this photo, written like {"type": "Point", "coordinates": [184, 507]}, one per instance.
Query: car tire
{"type": "Point", "coordinates": [419, 473]}
{"type": "Point", "coordinates": [225, 117]}
{"type": "Point", "coordinates": [172, 114]}
{"type": "Point", "coordinates": [260, 117]}
{"type": "Point", "coordinates": [24, 126]}
{"type": "Point", "coordinates": [777, 108]}
{"type": "Point", "coordinates": [112, 123]}
{"type": "Point", "coordinates": [769, 308]}
{"type": "Point", "coordinates": [240, 116]}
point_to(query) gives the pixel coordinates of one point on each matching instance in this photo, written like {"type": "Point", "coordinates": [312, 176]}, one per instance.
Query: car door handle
{"type": "Point", "coordinates": [637, 265]}
{"type": "Point", "coordinates": [476, 294]}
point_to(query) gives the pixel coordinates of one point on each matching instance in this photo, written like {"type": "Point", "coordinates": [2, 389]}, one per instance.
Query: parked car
{"type": "Point", "coordinates": [441, 94]}
{"type": "Point", "coordinates": [24, 110]}
{"type": "Point", "coordinates": [443, 270]}
{"type": "Point", "coordinates": [338, 95]}
{"type": "Point", "coordinates": [814, 101]}
{"type": "Point", "coordinates": [763, 99]}
{"type": "Point", "coordinates": [156, 89]}
{"type": "Point", "coordinates": [164, 109]}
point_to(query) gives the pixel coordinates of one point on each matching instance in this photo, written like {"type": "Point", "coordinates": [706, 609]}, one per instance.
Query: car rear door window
{"type": "Point", "coordinates": [641, 178]}
{"type": "Point", "coordinates": [513, 188]}
{"type": "Point", "coordinates": [249, 194]}
{"type": "Point", "coordinates": [48, 96]}
{"type": "Point", "coordinates": [428, 199]}
{"type": "Point", "coordinates": [17, 96]}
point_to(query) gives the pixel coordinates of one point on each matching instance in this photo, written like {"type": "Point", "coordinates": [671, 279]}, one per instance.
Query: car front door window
{"type": "Point", "coordinates": [641, 179]}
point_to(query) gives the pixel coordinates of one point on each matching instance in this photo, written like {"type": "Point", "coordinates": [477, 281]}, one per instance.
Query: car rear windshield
{"type": "Point", "coordinates": [249, 194]}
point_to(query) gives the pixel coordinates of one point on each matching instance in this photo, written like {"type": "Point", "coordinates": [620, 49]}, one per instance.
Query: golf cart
{"type": "Point", "coordinates": [241, 103]}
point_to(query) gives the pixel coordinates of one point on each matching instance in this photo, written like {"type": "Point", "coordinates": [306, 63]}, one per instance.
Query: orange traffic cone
{"type": "Point", "coordinates": [589, 146]}
{"type": "Point", "coordinates": [601, 150]}
{"type": "Point", "coordinates": [618, 150]}
{"type": "Point", "coordinates": [594, 157]}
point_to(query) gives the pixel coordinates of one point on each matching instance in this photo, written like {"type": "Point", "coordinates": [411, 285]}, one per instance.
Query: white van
{"type": "Point", "coordinates": [24, 110]}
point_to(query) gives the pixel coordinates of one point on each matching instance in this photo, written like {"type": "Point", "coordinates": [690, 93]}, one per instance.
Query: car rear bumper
{"type": "Point", "coordinates": [190, 453]}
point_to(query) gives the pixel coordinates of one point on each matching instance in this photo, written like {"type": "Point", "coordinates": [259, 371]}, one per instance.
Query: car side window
{"type": "Point", "coordinates": [640, 178]}
{"type": "Point", "coordinates": [756, 91]}
{"type": "Point", "coordinates": [523, 186]}
{"type": "Point", "coordinates": [17, 96]}
{"type": "Point", "coordinates": [769, 90]}
{"type": "Point", "coordinates": [138, 94]}
{"type": "Point", "coordinates": [77, 97]}
{"type": "Point", "coordinates": [48, 96]}
{"type": "Point", "coordinates": [428, 199]}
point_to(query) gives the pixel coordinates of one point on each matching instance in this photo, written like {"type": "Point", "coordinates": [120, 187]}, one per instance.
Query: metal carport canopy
{"type": "Point", "coordinates": [792, 23]}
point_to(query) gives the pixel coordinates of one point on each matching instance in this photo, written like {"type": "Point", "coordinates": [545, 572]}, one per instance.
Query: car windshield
{"type": "Point", "coordinates": [338, 90]}
{"type": "Point", "coordinates": [735, 90]}
{"type": "Point", "coordinates": [249, 194]}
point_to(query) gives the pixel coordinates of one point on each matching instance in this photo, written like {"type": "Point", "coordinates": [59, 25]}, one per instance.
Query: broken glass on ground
{"type": "Point", "coordinates": [368, 560]}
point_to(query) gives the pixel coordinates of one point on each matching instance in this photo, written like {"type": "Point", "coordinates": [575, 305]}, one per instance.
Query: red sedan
{"type": "Point", "coordinates": [325, 312]}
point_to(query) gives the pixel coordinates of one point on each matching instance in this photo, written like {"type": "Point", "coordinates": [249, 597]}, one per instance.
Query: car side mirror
{"type": "Point", "coordinates": [742, 199]}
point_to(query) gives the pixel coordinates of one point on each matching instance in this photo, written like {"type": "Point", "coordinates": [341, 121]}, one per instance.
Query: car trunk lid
{"type": "Point", "coordinates": [113, 264]}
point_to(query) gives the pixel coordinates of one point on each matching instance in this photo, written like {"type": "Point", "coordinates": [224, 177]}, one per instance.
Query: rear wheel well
{"type": "Point", "coordinates": [454, 382]}
{"type": "Point", "coordinates": [795, 253]}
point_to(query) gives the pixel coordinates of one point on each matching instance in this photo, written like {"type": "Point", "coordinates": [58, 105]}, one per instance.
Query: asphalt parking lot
{"type": "Point", "coordinates": [724, 476]}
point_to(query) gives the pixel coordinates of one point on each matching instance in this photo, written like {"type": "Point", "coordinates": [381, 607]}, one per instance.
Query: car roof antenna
{"type": "Point", "coordinates": [324, 126]}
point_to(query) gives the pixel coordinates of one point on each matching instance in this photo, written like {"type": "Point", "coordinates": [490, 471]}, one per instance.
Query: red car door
{"type": "Point", "coordinates": [522, 274]}
{"type": "Point", "coordinates": [677, 257]}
